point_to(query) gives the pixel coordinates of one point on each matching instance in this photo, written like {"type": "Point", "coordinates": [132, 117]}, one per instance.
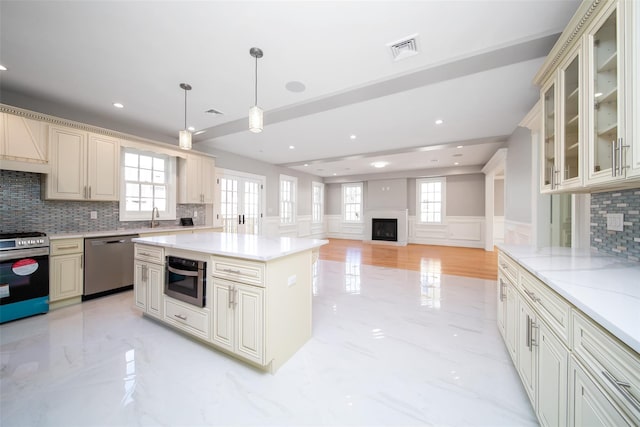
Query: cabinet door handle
{"type": "Point", "coordinates": [180, 316]}
{"type": "Point", "coordinates": [528, 336]}
{"type": "Point", "coordinates": [501, 290]}
{"type": "Point", "coordinates": [613, 158]}
{"type": "Point", "coordinates": [89, 191]}
{"type": "Point", "coordinates": [68, 247]}
{"type": "Point", "coordinates": [532, 339]}
{"type": "Point", "coordinates": [622, 387]}
{"type": "Point", "coordinates": [82, 262]}
{"type": "Point", "coordinates": [230, 295]}
{"type": "Point", "coordinates": [235, 297]}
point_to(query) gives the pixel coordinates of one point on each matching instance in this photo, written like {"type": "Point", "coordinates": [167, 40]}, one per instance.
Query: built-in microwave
{"type": "Point", "coordinates": [186, 280]}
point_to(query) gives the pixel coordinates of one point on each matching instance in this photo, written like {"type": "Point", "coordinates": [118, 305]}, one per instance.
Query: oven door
{"type": "Point", "coordinates": [185, 280]}
{"type": "Point", "coordinates": [24, 283]}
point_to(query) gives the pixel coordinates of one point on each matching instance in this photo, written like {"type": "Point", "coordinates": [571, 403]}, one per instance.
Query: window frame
{"type": "Point", "coordinates": [293, 202]}
{"type": "Point", "coordinates": [443, 200]}
{"type": "Point", "coordinates": [344, 204]}
{"type": "Point", "coordinates": [319, 204]}
{"type": "Point", "coordinates": [170, 183]}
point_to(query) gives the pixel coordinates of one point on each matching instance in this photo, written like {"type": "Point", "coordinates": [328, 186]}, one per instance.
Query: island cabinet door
{"type": "Point", "coordinates": [250, 322]}
{"type": "Point", "coordinates": [140, 284]}
{"type": "Point", "coordinates": [223, 313]}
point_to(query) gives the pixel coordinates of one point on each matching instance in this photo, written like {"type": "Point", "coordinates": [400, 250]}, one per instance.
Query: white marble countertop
{"type": "Point", "coordinates": [604, 287]}
{"type": "Point", "coordinates": [245, 246]}
{"type": "Point", "coordinates": [122, 232]}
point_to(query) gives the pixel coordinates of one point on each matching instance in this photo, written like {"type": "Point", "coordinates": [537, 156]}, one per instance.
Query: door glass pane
{"type": "Point", "coordinates": [605, 84]}
{"type": "Point", "coordinates": [549, 135]}
{"type": "Point", "coordinates": [571, 119]}
{"type": "Point", "coordinates": [561, 220]}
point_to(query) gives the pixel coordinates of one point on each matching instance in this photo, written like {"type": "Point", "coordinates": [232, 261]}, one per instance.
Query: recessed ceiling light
{"type": "Point", "coordinates": [353, 137]}
{"type": "Point", "coordinates": [191, 128]}
{"type": "Point", "coordinates": [291, 147]}
{"type": "Point", "coordinates": [439, 121]}
{"type": "Point", "coordinates": [456, 163]}
{"type": "Point", "coordinates": [379, 164]}
{"type": "Point", "coordinates": [306, 164]}
{"type": "Point", "coordinates": [118, 105]}
{"type": "Point", "coordinates": [460, 146]}
{"type": "Point", "coordinates": [3, 68]}
{"type": "Point", "coordinates": [334, 174]}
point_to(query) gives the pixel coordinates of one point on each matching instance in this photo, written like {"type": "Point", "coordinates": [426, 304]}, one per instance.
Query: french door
{"type": "Point", "coordinates": [241, 201]}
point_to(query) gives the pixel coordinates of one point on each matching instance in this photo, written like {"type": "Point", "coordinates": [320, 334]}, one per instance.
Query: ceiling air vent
{"type": "Point", "coordinates": [404, 48]}
{"type": "Point", "coordinates": [213, 111]}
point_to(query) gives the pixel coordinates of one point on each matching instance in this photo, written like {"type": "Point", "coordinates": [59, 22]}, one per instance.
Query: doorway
{"type": "Point", "coordinates": [241, 201]}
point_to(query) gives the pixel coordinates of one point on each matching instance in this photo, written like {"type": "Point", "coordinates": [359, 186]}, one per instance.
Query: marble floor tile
{"type": "Point", "coordinates": [389, 347]}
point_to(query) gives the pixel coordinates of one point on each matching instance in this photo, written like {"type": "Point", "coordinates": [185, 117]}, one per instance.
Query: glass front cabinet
{"type": "Point", "coordinates": [589, 101]}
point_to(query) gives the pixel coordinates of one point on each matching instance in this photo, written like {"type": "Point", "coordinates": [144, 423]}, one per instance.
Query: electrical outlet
{"type": "Point", "coordinates": [195, 214]}
{"type": "Point", "coordinates": [615, 222]}
{"type": "Point", "coordinates": [94, 214]}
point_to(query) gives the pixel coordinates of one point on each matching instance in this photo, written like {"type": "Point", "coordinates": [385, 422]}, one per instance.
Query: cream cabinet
{"type": "Point", "coordinates": [66, 270]}
{"type": "Point", "coordinates": [149, 280]}
{"type": "Point", "coordinates": [84, 166]}
{"type": "Point", "coordinates": [238, 319]}
{"type": "Point", "coordinates": [196, 176]}
{"type": "Point", "coordinates": [590, 109]}
{"type": "Point", "coordinates": [23, 144]}
{"type": "Point", "coordinates": [575, 373]}
{"type": "Point", "coordinates": [507, 312]}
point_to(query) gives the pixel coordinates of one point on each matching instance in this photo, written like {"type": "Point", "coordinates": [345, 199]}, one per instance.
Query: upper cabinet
{"type": "Point", "coordinates": [23, 144]}
{"type": "Point", "coordinates": [590, 109]}
{"type": "Point", "coordinates": [196, 175]}
{"type": "Point", "coordinates": [84, 166]}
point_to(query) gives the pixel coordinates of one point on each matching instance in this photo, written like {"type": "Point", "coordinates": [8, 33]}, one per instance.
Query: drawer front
{"type": "Point", "coordinates": [190, 319]}
{"type": "Point", "coordinates": [508, 267]}
{"type": "Point", "coordinates": [149, 253]}
{"type": "Point", "coordinates": [238, 270]}
{"type": "Point", "coordinates": [66, 246]}
{"type": "Point", "coordinates": [554, 309]}
{"type": "Point", "coordinates": [615, 366]}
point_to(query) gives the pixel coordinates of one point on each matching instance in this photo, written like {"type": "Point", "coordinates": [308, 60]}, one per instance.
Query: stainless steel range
{"type": "Point", "coordinates": [24, 275]}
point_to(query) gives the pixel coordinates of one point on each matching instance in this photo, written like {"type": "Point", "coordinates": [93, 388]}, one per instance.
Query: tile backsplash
{"type": "Point", "coordinates": [22, 209]}
{"type": "Point", "coordinates": [624, 243]}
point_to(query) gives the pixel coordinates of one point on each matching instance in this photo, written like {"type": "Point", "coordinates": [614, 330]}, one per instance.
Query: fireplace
{"type": "Point", "coordinates": [384, 229]}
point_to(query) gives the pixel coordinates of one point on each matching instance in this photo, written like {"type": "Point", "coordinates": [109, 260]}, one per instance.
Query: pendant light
{"type": "Point", "coordinates": [255, 112]}
{"type": "Point", "coordinates": [184, 137]}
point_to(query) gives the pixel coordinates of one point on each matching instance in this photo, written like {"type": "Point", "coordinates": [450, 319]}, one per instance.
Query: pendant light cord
{"type": "Point", "coordinates": [256, 103]}
{"type": "Point", "coordinates": [185, 109]}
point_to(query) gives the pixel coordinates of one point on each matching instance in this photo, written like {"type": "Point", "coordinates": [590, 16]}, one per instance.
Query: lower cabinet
{"type": "Point", "coordinates": [148, 287]}
{"type": "Point", "coordinates": [191, 319]}
{"type": "Point", "coordinates": [590, 380]}
{"type": "Point", "coordinates": [590, 405]}
{"type": "Point", "coordinates": [238, 319]}
{"type": "Point", "coordinates": [66, 271]}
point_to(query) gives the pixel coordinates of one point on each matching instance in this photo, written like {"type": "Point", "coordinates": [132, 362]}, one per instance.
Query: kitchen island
{"type": "Point", "coordinates": [257, 292]}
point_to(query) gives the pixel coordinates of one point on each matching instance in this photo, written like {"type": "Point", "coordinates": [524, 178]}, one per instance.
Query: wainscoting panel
{"type": "Point", "coordinates": [303, 228]}
{"type": "Point", "coordinates": [463, 231]}
{"type": "Point", "coordinates": [340, 230]}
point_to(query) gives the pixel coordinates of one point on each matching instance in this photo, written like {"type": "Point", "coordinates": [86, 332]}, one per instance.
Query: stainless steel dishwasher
{"type": "Point", "coordinates": [108, 265]}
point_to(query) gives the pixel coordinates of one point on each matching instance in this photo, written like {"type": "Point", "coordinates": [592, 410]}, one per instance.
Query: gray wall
{"type": "Point", "coordinates": [387, 194]}
{"type": "Point", "coordinates": [465, 195]}
{"type": "Point", "coordinates": [518, 177]}
{"type": "Point", "coordinates": [272, 173]}
{"type": "Point", "coordinates": [498, 195]}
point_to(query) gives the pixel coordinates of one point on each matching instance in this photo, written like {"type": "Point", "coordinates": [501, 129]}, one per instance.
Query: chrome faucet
{"type": "Point", "coordinates": [155, 213]}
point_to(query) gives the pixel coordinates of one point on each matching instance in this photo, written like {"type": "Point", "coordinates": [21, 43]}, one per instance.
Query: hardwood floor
{"type": "Point", "coordinates": [467, 262]}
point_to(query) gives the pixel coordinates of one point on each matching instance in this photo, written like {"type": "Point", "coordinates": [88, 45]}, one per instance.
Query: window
{"type": "Point", "coordinates": [352, 202]}
{"type": "Point", "coordinates": [317, 201]}
{"type": "Point", "coordinates": [430, 200]}
{"type": "Point", "coordinates": [148, 181]}
{"type": "Point", "coordinates": [288, 188]}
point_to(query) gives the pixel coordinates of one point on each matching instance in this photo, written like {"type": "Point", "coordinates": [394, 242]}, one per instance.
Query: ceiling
{"type": "Point", "coordinates": [473, 70]}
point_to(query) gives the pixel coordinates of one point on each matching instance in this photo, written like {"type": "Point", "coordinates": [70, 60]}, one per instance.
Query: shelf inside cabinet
{"type": "Point", "coordinates": [610, 96]}
{"type": "Point", "coordinates": [609, 64]}
{"type": "Point", "coordinates": [573, 93]}
{"type": "Point", "coordinates": [573, 120]}
{"type": "Point", "coordinates": [572, 146]}
{"type": "Point", "coordinates": [609, 130]}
